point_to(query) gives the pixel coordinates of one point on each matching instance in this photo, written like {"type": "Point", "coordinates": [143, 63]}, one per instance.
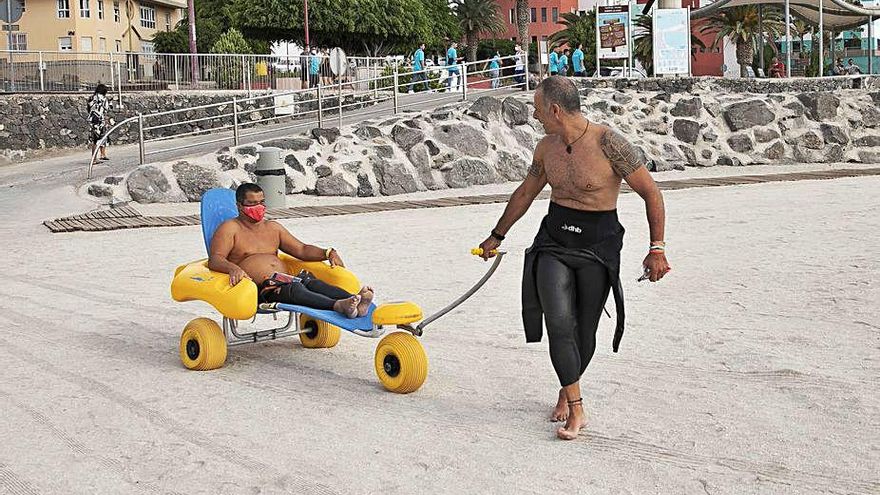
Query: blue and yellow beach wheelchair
{"type": "Point", "coordinates": [400, 360]}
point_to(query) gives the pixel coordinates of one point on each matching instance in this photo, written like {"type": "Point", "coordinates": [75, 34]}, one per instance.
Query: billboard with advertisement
{"type": "Point", "coordinates": [672, 41]}
{"type": "Point", "coordinates": [612, 32]}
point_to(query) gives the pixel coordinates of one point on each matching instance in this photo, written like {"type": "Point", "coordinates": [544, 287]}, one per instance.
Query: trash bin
{"type": "Point", "coordinates": [271, 177]}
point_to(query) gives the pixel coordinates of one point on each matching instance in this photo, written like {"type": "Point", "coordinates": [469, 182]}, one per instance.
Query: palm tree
{"type": "Point", "coordinates": [522, 23]}
{"type": "Point", "coordinates": [643, 41]}
{"type": "Point", "coordinates": [740, 25]}
{"type": "Point", "coordinates": [475, 17]}
{"type": "Point", "coordinates": [579, 29]}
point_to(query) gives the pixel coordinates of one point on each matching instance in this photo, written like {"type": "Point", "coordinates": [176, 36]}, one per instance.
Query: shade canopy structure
{"type": "Point", "coordinates": [838, 15]}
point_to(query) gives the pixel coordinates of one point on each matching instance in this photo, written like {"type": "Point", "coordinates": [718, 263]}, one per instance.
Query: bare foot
{"type": "Point", "coordinates": [560, 412]}
{"type": "Point", "coordinates": [348, 307]}
{"type": "Point", "coordinates": [367, 295]}
{"type": "Point", "coordinates": [576, 420]}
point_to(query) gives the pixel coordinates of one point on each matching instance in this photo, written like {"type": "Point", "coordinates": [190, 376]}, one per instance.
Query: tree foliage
{"type": "Point", "coordinates": [376, 27]}
{"type": "Point", "coordinates": [740, 25]}
{"type": "Point", "coordinates": [475, 17]}
{"type": "Point", "coordinates": [213, 18]}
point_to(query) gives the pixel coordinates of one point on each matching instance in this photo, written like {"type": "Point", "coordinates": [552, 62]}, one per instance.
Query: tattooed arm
{"type": "Point", "coordinates": [520, 201]}
{"type": "Point", "coordinates": [628, 162]}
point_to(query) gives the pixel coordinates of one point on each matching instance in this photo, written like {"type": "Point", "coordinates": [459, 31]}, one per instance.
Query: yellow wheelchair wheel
{"type": "Point", "coordinates": [318, 333]}
{"type": "Point", "coordinates": [401, 363]}
{"type": "Point", "coordinates": [202, 345]}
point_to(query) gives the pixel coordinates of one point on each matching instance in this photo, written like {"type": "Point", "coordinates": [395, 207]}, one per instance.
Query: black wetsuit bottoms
{"type": "Point", "coordinates": [573, 289]}
{"type": "Point", "coordinates": [306, 290]}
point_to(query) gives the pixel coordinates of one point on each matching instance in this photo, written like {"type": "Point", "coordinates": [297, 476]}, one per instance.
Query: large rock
{"type": "Point", "coordinates": [393, 177]}
{"type": "Point", "coordinates": [740, 143]}
{"type": "Point", "coordinates": [194, 180]}
{"type": "Point", "coordinates": [710, 136]}
{"type": "Point", "coordinates": [433, 150]}
{"type": "Point", "coordinates": [227, 162]}
{"type": "Point", "coordinates": [655, 126]}
{"type": "Point", "coordinates": [365, 188]}
{"type": "Point", "coordinates": [820, 106]}
{"type": "Point", "coordinates": [687, 107]}
{"type": "Point", "coordinates": [421, 160]}
{"type": "Point", "coordinates": [291, 143]}
{"type": "Point", "coordinates": [147, 184]}
{"type": "Point", "coordinates": [870, 116]}
{"type": "Point", "coordinates": [100, 191]}
{"type": "Point", "coordinates": [809, 140]}
{"type": "Point", "coordinates": [292, 162]}
{"type": "Point", "coordinates": [246, 150]}
{"type": "Point", "coordinates": [462, 138]}
{"type": "Point", "coordinates": [728, 161]}
{"type": "Point", "coordinates": [335, 185]}
{"type": "Point", "coordinates": [466, 172]}
{"type": "Point", "coordinates": [834, 134]}
{"type": "Point", "coordinates": [747, 114]}
{"type": "Point", "coordinates": [323, 171]}
{"type": "Point", "coordinates": [113, 180]}
{"type": "Point", "coordinates": [384, 150]}
{"type": "Point", "coordinates": [765, 135]}
{"type": "Point", "coordinates": [331, 134]}
{"type": "Point", "coordinates": [868, 141]}
{"type": "Point", "coordinates": [511, 166]}
{"type": "Point", "coordinates": [869, 156]}
{"type": "Point", "coordinates": [622, 98]}
{"type": "Point", "coordinates": [368, 132]}
{"type": "Point", "coordinates": [775, 151]}
{"type": "Point", "coordinates": [514, 111]}
{"type": "Point", "coordinates": [686, 130]}
{"type": "Point", "coordinates": [486, 108]}
{"type": "Point", "coordinates": [406, 137]}
{"type": "Point", "coordinates": [525, 137]}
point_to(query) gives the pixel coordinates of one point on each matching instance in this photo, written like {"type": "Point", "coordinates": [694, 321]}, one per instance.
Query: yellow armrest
{"type": "Point", "coordinates": [195, 282]}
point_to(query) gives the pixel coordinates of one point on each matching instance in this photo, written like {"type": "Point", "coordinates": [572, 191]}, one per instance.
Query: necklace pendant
{"type": "Point", "coordinates": [568, 149]}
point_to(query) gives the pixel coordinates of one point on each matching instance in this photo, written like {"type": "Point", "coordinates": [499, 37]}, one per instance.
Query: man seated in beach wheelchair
{"type": "Point", "coordinates": [245, 275]}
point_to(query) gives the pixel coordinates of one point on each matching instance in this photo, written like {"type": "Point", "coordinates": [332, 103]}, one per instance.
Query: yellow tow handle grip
{"type": "Point", "coordinates": [479, 251]}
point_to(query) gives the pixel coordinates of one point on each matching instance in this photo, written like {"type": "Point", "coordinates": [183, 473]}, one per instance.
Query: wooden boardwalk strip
{"type": "Point", "coordinates": [126, 217]}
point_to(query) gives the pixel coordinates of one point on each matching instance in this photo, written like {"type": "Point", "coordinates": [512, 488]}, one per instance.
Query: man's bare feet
{"type": "Point", "coordinates": [576, 420]}
{"type": "Point", "coordinates": [367, 295]}
{"type": "Point", "coordinates": [560, 412]}
{"type": "Point", "coordinates": [348, 307]}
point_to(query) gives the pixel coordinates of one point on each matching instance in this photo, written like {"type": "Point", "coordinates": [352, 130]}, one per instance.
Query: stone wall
{"type": "Point", "coordinates": [491, 140]}
{"type": "Point", "coordinates": [33, 123]}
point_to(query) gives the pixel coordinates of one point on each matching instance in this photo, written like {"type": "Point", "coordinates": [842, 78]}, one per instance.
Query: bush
{"type": "Point", "coordinates": [229, 72]}
{"type": "Point", "coordinates": [403, 80]}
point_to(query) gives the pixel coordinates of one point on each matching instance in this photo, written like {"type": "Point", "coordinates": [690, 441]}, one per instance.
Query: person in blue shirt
{"type": "Point", "coordinates": [577, 61]}
{"type": "Point", "coordinates": [314, 69]}
{"type": "Point", "coordinates": [452, 66]}
{"type": "Point", "coordinates": [553, 66]}
{"type": "Point", "coordinates": [563, 63]}
{"type": "Point", "coordinates": [418, 67]}
{"type": "Point", "coordinates": [494, 67]}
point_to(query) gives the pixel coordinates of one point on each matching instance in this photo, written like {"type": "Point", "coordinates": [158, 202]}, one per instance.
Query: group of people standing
{"type": "Point", "coordinates": [559, 62]}
{"type": "Point", "coordinates": [453, 63]}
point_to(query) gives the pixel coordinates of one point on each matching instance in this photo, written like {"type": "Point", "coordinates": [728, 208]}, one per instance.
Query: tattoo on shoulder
{"type": "Point", "coordinates": [537, 169]}
{"type": "Point", "coordinates": [624, 157]}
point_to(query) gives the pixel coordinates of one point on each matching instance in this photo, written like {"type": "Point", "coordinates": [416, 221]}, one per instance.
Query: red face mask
{"type": "Point", "coordinates": [255, 212]}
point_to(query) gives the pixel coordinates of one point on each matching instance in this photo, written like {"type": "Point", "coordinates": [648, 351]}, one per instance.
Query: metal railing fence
{"type": "Point", "coordinates": [67, 71]}
{"type": "Point", "coordinates": [237, 119]}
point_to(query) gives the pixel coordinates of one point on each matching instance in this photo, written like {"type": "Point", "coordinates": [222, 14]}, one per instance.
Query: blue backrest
{"type": "Point", "coordinates": [218, 206]}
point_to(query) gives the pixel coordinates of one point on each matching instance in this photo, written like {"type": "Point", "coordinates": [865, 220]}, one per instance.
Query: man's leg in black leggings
{"type": "Point", "coordinates": [297, 293]}
{"type": "Point", "coordinates": [325, 289]}
{"type": "Point", "coordinates": [556, 291]}
{"type": "Point", "coordinates": [592, 292]}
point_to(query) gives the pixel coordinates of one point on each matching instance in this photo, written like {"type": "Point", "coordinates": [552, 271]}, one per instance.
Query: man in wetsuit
{"type": "Point", "coordinates": [247, 247]}
{"type": "Point", "coordinates": [575, 259]}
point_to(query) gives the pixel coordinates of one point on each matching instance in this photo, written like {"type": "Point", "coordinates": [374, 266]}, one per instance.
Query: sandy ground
{"type": "Point", "coordinates": [753, 368]}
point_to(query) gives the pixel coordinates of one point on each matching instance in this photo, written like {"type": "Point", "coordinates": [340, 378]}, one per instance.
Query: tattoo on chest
{"type": "Point", "coordinates": [624, 157]}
